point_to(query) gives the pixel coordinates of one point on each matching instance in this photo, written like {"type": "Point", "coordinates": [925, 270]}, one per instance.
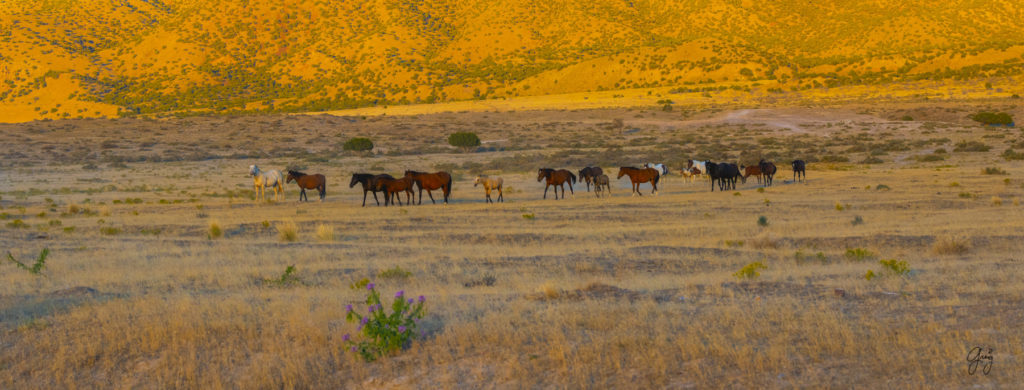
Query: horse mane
{"type": "Point", "coordinates": [295, 173]}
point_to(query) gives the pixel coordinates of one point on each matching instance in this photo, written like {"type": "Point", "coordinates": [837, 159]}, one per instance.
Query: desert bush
{"type": "Point", "coordinates": [951, 245]}
{"type": "Point", "coordinates": [762, 221]}
{"type": "Point", "coordinates": [215, 230]}
{"type": "Point", "coordinates": [859, 254]}
{"type": "Point", "coordinates": [993, 118]}
{"type": "Point", "coordinates": [1011, 155]}
{"type": "Point", "coordinates": [110, 231]}
{"type": "Point", "coordinates": [993, 171]}
{"type": "Point", "coordinates": [286, 279]}
{"type": "Point", "coordinates": [765, 240]}
{"type": "Point", "coordinates": [384, 333]}
{"type": "Point", "coordinates": [997, 201]}
{"type": "Point", "coordinates": [750, 271]}
{"type": "Point", "coordinates": [17, 224]}
{"type": "Point", "coordinates": [487, 280]}
{"type": "Point", "coordinates": [358, 144]}
{"type": "Point", "coordinates": [287, 231]}
{"type": "Point", "coordinates": [857, 220]}
{"type": "Point", "coordinates": [465, 140]}
{"type": "Point", "coordinates": [971, 146]}
{"type": "Point", "coordinates": [394, 273]}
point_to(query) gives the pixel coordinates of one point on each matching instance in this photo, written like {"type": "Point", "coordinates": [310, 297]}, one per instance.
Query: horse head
{"type": "Point", "coordinates": [355, 179]}
{"type": "Point", "coordinates": [254, 170]}
{"type": "Point", "coordinates": [622, 172]}
{"type": "Point", "coordinates": [541, 173]}
{"type": "Point", "coordinates": [477, 181]}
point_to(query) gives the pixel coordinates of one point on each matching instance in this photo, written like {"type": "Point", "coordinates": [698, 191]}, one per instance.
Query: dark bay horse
{"type": "Point", "coordinates": [432, 181]}
{"type": "Point", "coordinates": [369, 182]}
{"type": "Point", "coordinates": [799, 170]}
{"type": "Point", "coordinates": [393, 187]}
{"type": "Point", "coordinates": [588, 174]}
{"type": "Point", "coordinates": [768, 170]}
{"type": "Point", "coordinates": [641, 175]}
{"type": "Point", "coordinates": [308, 182]}
{"type": "Point", "coordinates": [602, 181]}
{"type": "Point", "coordinates": [556, 179]}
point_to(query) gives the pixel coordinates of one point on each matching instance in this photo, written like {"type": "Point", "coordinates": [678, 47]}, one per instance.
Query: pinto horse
{"type": "Point", "coordinates": [641, 175]}
{"type": "Point", "coordinates": [308, 182]}
{"type": "Point", "coordinates": [602, 181]}
{"type": "Point", "coordinates": [261, 180]}
{"type": "Point", "coordinates": [556, 178]}
{"type": "Point", "coordinates": [768, 170]}
{"type": "Point", "coordinates": [490, 183]}
{"type": "Point", "coordinates": [799, 170]}
{"type": "Point", "coordinates": [432, 181]}
{"type": "Point", "coordinates": [392, 187]}
{"type": "Point", "coordinates": [753, 170]}
{"type": "Point", "coordinates": [588, 174]}
{"type": "Point", "coordinates": [369, 182]}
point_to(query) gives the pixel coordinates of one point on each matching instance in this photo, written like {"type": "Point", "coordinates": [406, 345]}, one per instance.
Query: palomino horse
{"type": "Point", "coordinates": [432, 181]}
{"type": "Point", "coordinates": [393, 187]}
{"type": "Point", "coordinates": [556, 179]}
{"type": "Point", "coordinates": [308, 182]}
{"type": "Point", "coordinates": [261, 180]}
{"type": "Point", "coordinates": [768, 170]}
{"type": "Point", "coordinates": [753, 170]}
{"type": "Point", "coordinates": [641, 175]}
{"type": "Point", "coordinates": [588, 174]}
{"type": "Point", "coordinates": [369, 182]}
{"type": "Point", "coordinates": [490, 183]}
{"type": "Point", "coordinates": [602, 181]}
{"type": "Point", "coordinates": [799, 170]}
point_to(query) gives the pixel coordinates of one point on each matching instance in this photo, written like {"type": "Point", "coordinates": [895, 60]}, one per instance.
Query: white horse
{"type": "Point", "coordinates": [261, 180]}
{"type": "Point", "coordinates": [700, 166]}
{"type": "Point", "coordinates": [662, 169]}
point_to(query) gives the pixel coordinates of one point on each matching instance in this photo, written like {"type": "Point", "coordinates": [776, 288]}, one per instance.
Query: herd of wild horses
{"type": "Point", "coordinates": [725, 174]}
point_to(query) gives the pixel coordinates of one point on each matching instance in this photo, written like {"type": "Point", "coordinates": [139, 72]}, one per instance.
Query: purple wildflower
{"type": "Point", "coordinates": [422, 299]}
{"type": "Point", "coordinates": [346, 337]}
{"type": "Point", "coordinates": [410, 301]}
{"type": "Point", "coordinates": [353, 348]}
{"type": "Point", "coordinates": [348, 308]}
{"type": "Point", "coordinates": [369, 286]}
{"type": "Point", "coordinates": [372, 308]}
{"type": "Point", "coordinates": [401, 329]}
{"type": "Point", "coordinates": [399, 293]}
{"type": "Point", "coordinates": [365, 320]}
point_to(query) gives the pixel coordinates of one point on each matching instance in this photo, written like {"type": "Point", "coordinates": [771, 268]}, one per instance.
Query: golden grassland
{"type": "Point", "coordinates": [65, 59]}
{"type": "Point", "coordinates": [613, 292]}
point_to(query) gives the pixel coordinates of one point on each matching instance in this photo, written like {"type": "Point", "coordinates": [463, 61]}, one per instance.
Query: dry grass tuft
{"type": "Point", "coordinates": [215, 230]}
{"type": "Point", "coordinates": [765, 240]}
{"type": "Point", "coordinates": [288, 231]}
{"type": "Point", "coordinates": [550, 290]}
{"type": "Point", "coordinates": [997, 201]}
{"type": "Point", "coordinates": [951, 245]}
{"type": "Point", "coordinates": [324, 233]}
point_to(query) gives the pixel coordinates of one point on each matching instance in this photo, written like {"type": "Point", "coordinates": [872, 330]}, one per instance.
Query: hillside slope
{"type": "Point", "coordinates": [70, 58]}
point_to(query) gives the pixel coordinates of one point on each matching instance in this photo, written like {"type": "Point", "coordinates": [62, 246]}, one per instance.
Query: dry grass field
{"type": "Point", "coordinates": [630, 292]}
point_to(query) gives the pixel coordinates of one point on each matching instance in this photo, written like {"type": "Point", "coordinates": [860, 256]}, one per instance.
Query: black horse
{"type": "Point", "coordinates": [768, 169]}
{"type": "Point", "coordinates": [588, 174]}
{"type": "Point", "coordinates": [369, 182]}
{"type": "Point", "coordinates": [725, 173]}
{"type": "Point", "coordinates": [799, 170]}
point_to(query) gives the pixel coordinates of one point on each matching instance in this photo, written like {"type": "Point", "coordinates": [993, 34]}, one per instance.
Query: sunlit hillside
{"type": "Point", "coordinates": [71, 58]}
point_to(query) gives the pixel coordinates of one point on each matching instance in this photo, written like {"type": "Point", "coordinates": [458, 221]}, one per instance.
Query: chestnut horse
{"type": "Point", "coordinates": [392, 187]}
{"type": "Point", "coordinates": [432, 181]}
{"type": "Point", "coordinates": [588, 174]}
{"type": "Point", "coordinates": [641, 175]}
{"type": "Point", "coordinates": [556, 179]}
{"type": "Point", "coordinates": [369, 182]}
{"type": "Point", "coordinates": [308, 182]}
{"type": "Point", "coordinates": [753, 170]}
{"type": "Point", "coordinates": [490, 183]}
{"type": "Point", "coordinates": [602, 181]}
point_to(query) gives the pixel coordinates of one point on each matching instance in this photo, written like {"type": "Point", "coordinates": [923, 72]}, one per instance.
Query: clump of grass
{"type": "Point", "coordinates": [266, 224]}
{"type": "Point", "coordinates": [69, 229]}
{"type": "Point", "coordinates": [734, 243]}
{"type": "Point", "coordinates": [839, 207]}
{"type": "Point", "coordinates": [965, 195]}
{"type": "Point", "coordinates": [737, 193]}
{"type": "Point", "coordinates": [215, 230]}
{"type": "Point", "coordinates": [17, 224]}
{"type": "Point", "coordinates": [857, 220]}
{"type": "Point", "coordinates": [488, 280]}
{"type": "Point", "coordinates": [951, 245]}
{"type": "Point", "coordinates": [394, 273]}
{"type": "Point", "coordinates": [954, 184]}
{"type": "Point", "coordinates": [760, 190]}
{"type": "Point", "coordinates": [895, 267]}
{"type": "Point", "coordinates": [287, 231]}
{"type": "Point", "coordinates": [765, 240]}
{"type": "Point", "coordinates": [993, 171]}
{"type": "Point", "coordinates": [286, 279]}
{"type": "Point", "coordinates": [997, 201]}
{"type": "Point", "coordinates": [324, 233]}
{"type": "Point", "coordinates": [882, 187]}
{"type": "Point", "coordinates": [762, 221]}
{"type": "Point", "coordinates": [750, 271]}
{"type": "Point", "coordinates": [550, 290]}
{"type": "Point", "coordinates": [859, 254]}
{"type": "Point", "coordinates": [110, 231]}
{"type": "Point", "coordinates": [529, 217]}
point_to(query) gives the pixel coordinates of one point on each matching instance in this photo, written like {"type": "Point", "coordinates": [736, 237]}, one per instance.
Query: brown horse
{"type": "Point", "coordinates": [556, 179]}
{"type": "Point", "coordinates": [308, 182]}
{"type": "Point", "coordinates": [588, 174]}
{"type": "Point", "coordinates": [392, 187]}
{"type": "Point", "coordinates": [753, 170]}
{"type": "Point", "coordinates": [602, 181]}
{"type": "Point", "coordinates": [369, 182]}
{"type": "Point", "coordinates": [641, 175]}
{"type": "Point", "coordinates": [432, 181]}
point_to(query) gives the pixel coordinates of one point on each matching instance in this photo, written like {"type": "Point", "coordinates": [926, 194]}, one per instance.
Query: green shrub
{"type": "Point", "coordinates": [37, 267]}
{"type": "Point", "coordinates": [384, 333]}
{"type": "Point", "coordinates": [286, 279]}
{"type": "Point", "coordinates": [1011, 155]}
{"type": "Point", "coordinates": [762, 221]}
{"type": "Point", "coordinates": [749, 271]}
{"type": "Point", "coordinates": [395, 273]}
{"type": "Point", "coordinates": [971, 146]}
{"type": "Point", "coordinates": [993, 171]}
{"type": "Point", "coordinates": [993, 118]}
{"type": "Point", "coordinates": [358, 144]}
{"type": "Point", "coordinates": [859, 254]}
{"type": "Point", "coordinates": [465, 140]}
{"type": "Point", "coordinates": [857, 220]}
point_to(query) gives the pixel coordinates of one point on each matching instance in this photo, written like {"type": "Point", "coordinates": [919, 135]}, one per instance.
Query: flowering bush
{"type": "Point", "coordinates": [384, 333]}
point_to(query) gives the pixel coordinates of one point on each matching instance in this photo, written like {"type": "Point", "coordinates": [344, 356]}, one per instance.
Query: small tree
{"type": "Point", "coordinates": [465, 140]}
{"type": "Point", "coordinates": [358, 144]}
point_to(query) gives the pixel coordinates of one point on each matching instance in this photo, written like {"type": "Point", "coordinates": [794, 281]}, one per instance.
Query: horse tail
{"type": "Point", "coordinates": [573, 178]}
{"type": "Point", "coordinates": [449, 185]}
{"type": "Point", "coordinates": [657, 178]}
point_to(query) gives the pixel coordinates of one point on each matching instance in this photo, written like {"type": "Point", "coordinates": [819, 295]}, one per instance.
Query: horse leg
{"type": "Point", "coordinates": [571, 192]}
{"type": "Point", "coordinates": [655, 190]}
{"type": "Point", "coordinates": [430, 195]}
{"type": "Point", "coordinates": [501, 195]}
{"type": "Point", "coordinates": [545, 191]}
{"type": "Point", "coordinates": [364, 197]}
